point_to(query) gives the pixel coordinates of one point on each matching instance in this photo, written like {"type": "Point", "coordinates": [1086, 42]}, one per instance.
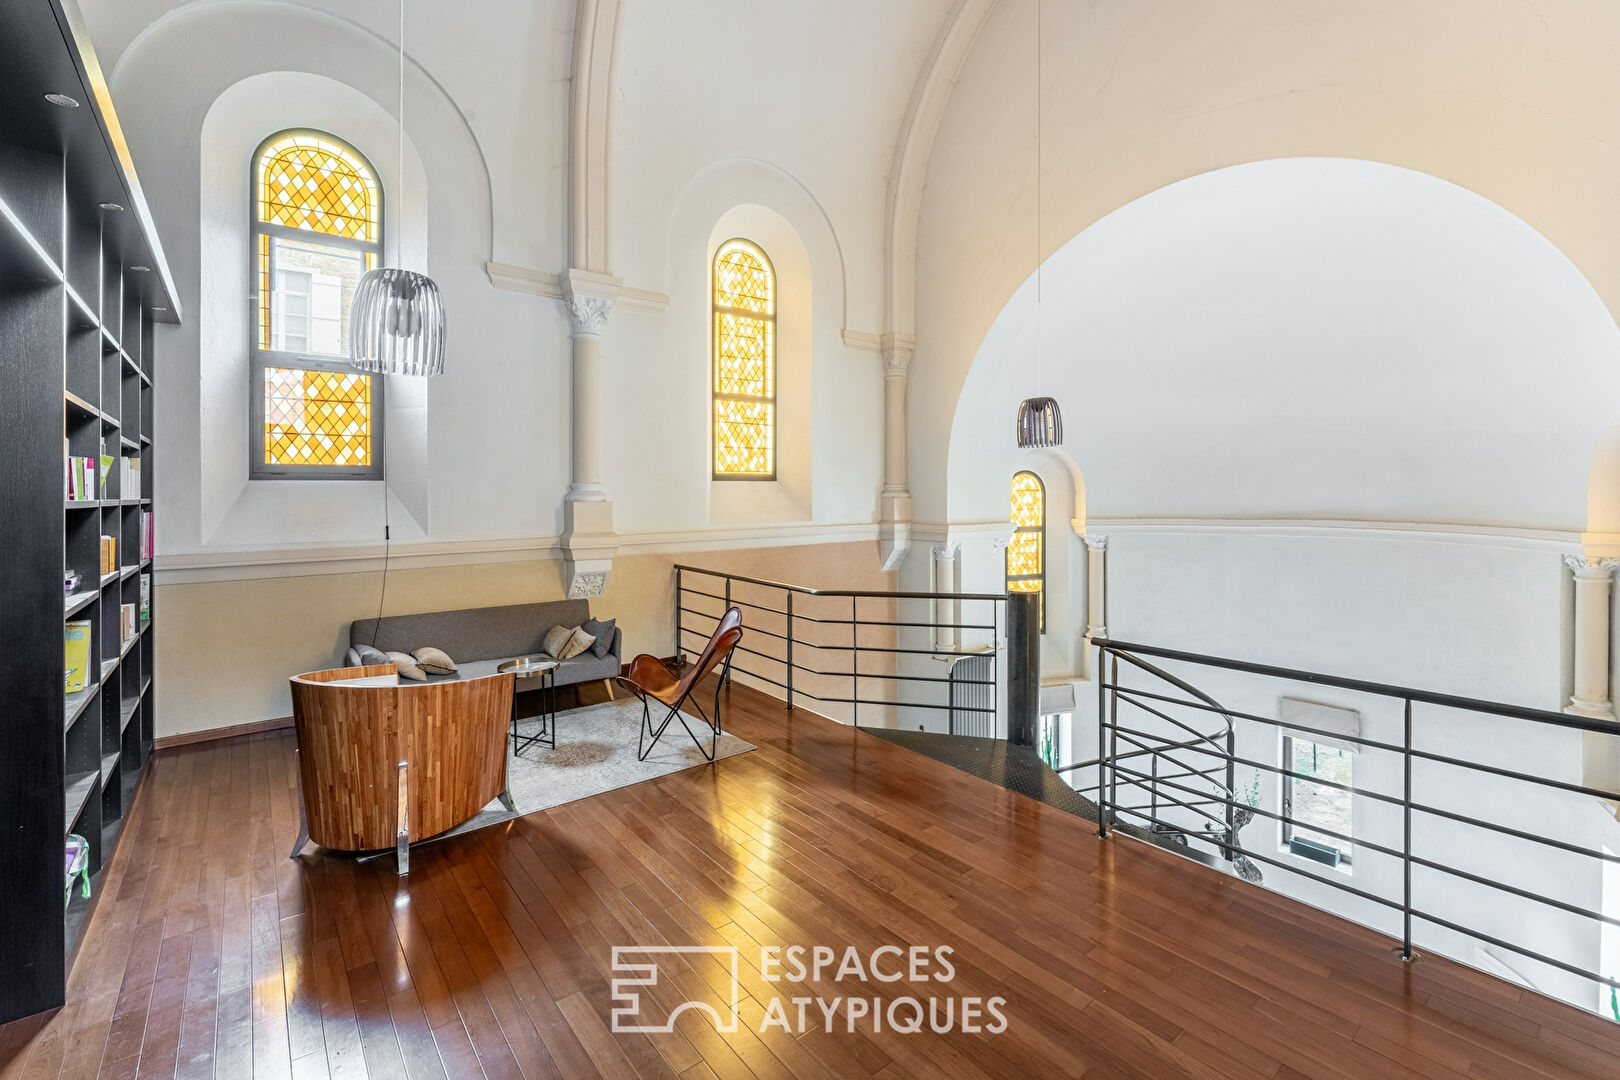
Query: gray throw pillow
{"type": "Point", "coordinates": [602, 631]}
{"type": "Point", "coordinates": [351, 659]}
{"type": "Point", "coordinates": [369, 656]}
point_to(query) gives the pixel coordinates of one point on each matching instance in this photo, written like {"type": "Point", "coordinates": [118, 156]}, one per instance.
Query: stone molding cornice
{"type": "Point", "coordinates": [510, 278]}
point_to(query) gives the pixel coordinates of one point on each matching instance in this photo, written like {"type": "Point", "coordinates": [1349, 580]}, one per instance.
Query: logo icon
{"type": "Point", "coordinates": [627, 1009]}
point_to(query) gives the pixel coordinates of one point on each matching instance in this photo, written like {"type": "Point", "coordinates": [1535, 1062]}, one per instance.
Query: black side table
{"type": "Point", "coordinates": [544, 669]}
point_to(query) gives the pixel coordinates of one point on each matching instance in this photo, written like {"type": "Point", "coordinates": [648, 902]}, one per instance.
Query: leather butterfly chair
{"type": "Point", "coordinates": [650, 679]}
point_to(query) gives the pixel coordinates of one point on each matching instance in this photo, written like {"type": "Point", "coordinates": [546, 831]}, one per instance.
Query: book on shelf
{"type": "Point", "coordinates": [126, 623]}
{"type": "Point", "coordinates": [146, 598]}
{"type": "Point", "coordinates": [130, 478]}
{"type": "Point", "coordinates": [76, 638]}
{"type": "Point", "coordinates": [109, 555]}
{"type": "Point", "coordinates": [148, 536]}
{"type": "Point", "coordinates": [106, 467]}
{"type": "Point", "coordinates": [80, 474]}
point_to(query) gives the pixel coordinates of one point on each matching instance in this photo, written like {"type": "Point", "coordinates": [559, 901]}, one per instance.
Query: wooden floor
{"type": "Point", "coordinates": [211, 954]}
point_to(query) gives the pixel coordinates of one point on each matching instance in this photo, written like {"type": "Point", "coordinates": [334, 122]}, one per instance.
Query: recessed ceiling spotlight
{"type": "Point", "coordinates": [62, 100]}
{"type": "Point", "coordinates": [111, 206]}
{"type": "Point", "coordinates": [141, 269]}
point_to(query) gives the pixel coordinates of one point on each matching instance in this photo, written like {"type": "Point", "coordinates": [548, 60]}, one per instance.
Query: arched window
{"type": "Point", "coordinates": [744, 395]}
{"type": "Point", "coordinates": [317, 227]}
{"type": "Point", "coordinates": [1026, 554]}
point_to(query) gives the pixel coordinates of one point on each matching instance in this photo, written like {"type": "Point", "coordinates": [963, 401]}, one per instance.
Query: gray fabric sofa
{"type": "Point", "coordinates": [479, 639]}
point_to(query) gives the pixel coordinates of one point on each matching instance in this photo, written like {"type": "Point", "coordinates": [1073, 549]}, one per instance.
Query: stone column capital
{"type": "Point", "coordinates": [1590, 569]}
{"type": "Point", "coordinates": [946, 550]}
{"type": "Point", "coordinates": [589, 298]}
{"type": "Point", "coordinates": [897, 350]}
{"type": "Point", "coordinates": [1097, 542]}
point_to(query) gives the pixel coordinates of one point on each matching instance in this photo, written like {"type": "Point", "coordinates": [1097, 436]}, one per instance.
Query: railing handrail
{"type": "Point", "coordinates": [860, 594]}
{"type": "Point", "coordinates": [1365, 686]}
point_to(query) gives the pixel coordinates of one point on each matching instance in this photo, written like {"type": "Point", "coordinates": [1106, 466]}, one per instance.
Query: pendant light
{"type": "Point", "coordinates": [396, 322]}
{"type": "Point", "coordinates": [1040, 421]}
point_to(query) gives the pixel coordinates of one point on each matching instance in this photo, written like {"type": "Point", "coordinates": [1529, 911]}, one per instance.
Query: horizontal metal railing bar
{"type": "Point", "coordinates": [799, 692]}
{"type": "Point", "coordinates": [705, 635]}
{"type": "Point", "coordinates": [1424, 755]}
{"type": "Point", "coordinates": [1428, 697]}
{"type": "Point", "coordinates": [1496, 770]}
{"type": "Point", "coordinates": [1478, 823]}
{"type": "Point", "coordinates": [943, 680]}
{"type": "Point", "coordinates": [801, 617]}
{"type": "Point", "coordinates": [1180, 802]}
{"type": "Point", "coordinates": [1506, 830]}
{"type": "Point", "coordinates": [1173, 680]}
{"type": "Point", "coordinates": [1284, 818]}
{"type": "Point", "coordinates": [1538, 898]}
{"type": "Point", "coordinates": [1300, 870]}
{"type": "Point", "coordinates": [1212, 738]}
{"type": "Point", "coordinates": [736, 670]}
{"type": "Point", "coordinates": [1520, 949]}
{"type": "Point", "coordinates": [856, 593]}
{"type": "Point", "coordinates": [1279, 770]}
{"type": "Point", "coordinates": [1371, 744]}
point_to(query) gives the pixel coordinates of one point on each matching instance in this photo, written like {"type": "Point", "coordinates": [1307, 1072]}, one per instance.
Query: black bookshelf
{"type": "Point", "coordinates": [83, 280]}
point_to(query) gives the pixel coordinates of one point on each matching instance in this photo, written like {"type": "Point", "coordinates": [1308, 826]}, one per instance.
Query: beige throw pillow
{"type": "Point", "coordinates": [578, 642]}
{"type": "Point", "coordinates": [435, 661]}
{"type": "Point", "coordinates": [407, 665]}
{"type": "Point", "coordinates": [552, 644]}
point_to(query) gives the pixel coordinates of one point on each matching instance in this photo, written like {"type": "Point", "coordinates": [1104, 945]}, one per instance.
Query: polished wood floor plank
{"type": "Point", "coordinates": [211, 955]}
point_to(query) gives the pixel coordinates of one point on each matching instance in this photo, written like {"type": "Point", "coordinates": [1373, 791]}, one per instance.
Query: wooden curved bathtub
{"type": "Point", "coordinates": [443, 742]}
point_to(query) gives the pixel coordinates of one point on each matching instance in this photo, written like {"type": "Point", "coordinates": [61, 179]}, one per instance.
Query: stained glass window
{"type": "Point", "coordinates": [744, 391]}
{"type": "Point", "coordinates": [317, 417]}
{"type": "Point", "coordinates": [1026, 553]}
{"type": "Point", "coordinates": [317, 224]}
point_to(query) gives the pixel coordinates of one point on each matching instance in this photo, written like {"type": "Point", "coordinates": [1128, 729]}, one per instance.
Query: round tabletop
{"type": "Point", "coordinates": [528, 667]}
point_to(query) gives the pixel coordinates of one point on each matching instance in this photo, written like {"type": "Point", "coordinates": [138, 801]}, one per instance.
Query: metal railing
{"type": "Point", "coordinates": [1439, 811]}
{"type": "Point", "coordinates": [845, 649]}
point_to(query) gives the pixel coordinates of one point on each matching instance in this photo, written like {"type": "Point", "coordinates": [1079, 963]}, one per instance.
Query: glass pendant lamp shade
{"type": "Point", "coordinates": [396, 324]}
{"type": "Point", "coordinates": [1040, 423]}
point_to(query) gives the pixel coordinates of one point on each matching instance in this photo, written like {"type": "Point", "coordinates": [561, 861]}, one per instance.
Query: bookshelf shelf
{"type": "Point", "coordinates": [79, 335]}
{"type": "Point", "coordinates": [77, 795]}
{"type": "Point", "coordinates": [77, 702]}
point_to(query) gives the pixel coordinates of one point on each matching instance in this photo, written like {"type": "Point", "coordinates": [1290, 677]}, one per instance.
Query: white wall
{"type": "Point", "coordinates": [478, 459]}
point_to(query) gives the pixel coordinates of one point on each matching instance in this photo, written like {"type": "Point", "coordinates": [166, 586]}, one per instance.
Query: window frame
{"type": "Point", "coordinates": [1008, 577]}
{"type": "Point", "coordinates": [260, 359]}
{"type": "Point", "coordinates": [1346, 849]}
{"type": "Point", "coordinates": [715, 395]}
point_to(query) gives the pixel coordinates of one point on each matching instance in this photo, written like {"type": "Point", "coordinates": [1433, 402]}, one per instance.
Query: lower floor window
{"type": "Point", "coordinates": [1317, 810]}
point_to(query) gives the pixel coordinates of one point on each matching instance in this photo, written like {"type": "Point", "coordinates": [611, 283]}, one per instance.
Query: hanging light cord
{"type": "Point", "coordinates": [399, 178]}
{"type": "Point", "coordinates": [1039, 88]}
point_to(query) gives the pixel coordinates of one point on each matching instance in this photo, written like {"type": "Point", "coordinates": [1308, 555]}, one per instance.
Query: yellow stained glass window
{"type": "Point", "coordinates": [317, 417]}
{"type": "Point", "coordinates": [1026, 554]}
{"type": "Point", "coordinates": [744, 363]}
{"type": "Point", "coordinates": [317, 228]}
{"type": "Point", "coordinates": [318, 184]}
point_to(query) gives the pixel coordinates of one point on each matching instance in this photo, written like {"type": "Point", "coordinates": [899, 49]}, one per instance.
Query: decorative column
{"type": "Point", "coordinates": [1593, 578]}
{"type": "Point", "coordinates": [894, 528]}
{"type": "Point", "coordinates": [945, 611]}
{"type": "Point", "coordinates": [1590, 697]}
{"type": "Point", "coordinates": [589, 542]}
{"type": "Point", "coordinates": [1096, 586]}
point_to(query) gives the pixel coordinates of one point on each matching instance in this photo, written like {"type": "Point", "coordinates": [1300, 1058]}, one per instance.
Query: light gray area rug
{"type": "Point", "coordinates": [596, 752]}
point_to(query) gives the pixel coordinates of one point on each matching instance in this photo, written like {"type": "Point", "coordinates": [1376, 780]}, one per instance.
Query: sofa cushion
{"type": "Point", "coordinates": [586, 667]}
{"type": "Point", "coordinates": [602, 631]}
{"type": "Point", "coordinates": [407, 665]}
{"type": "Point", "coordinates": [556, 640]}
{"type": "Point", "coordinates": [579, 641]}
{"type": "Point", "coordinates": [434, 661]}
